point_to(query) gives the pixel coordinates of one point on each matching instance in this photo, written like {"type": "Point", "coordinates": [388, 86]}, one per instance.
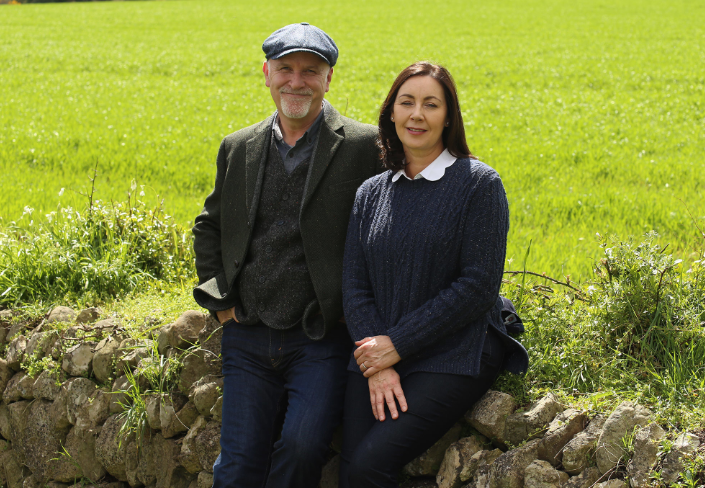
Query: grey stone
{"type": "Point", "coordinates": [105, 356]}
{"type": "Point", "coordinates": [174, 422]}
{"type": "Point", "coordinates": [585, 479]}
{"type": "Point", "coordinates": [39, 439]}
{"type": "Point", "coordinates": [208, 445]}
{"type": "Point", "coordinates": [578, 452]}
{"type": "Point", "coordinates": [508, 469]}
{"type": "Point", "coordinates": [621, 422]}
{"type": "Point", "coordinates": [488, 416]}
{"type": "Point", "coordinates": [673, 462]}
{"type": "Point", "coordinates": [47, 385]}
{"type": "Point", "coordinates": [530, 424]}
{"type": "Point", "coordinates": [78, 393]}
{"type": "Point", "coordinates": [5, 422]}
{"type": "Point", "coordinates": [94, 411]}
{"type": "Point", "coordinates": [15, 471]}
{"type": "Point", "coordinates": [153, 408]}
{"type": "Point", "coordinates": [163, 338]}
{"type": "Point", "coordinates": [217, 410]}
{"type": "Point", "coordinates": [646, 447]}
{"type": "Point", "coordinates": [40, 344]}
{"type": "Point", "coordinates": [87, 316]}
{"type": "Point", "coordinates": [16, 328]}
{"type": "Point", "coordinates": [541, 474]}
{"type": "Point", "coordinates": [6, 372]}
{"type": "Point", "coordinates": [80, 444]}
{"type": "Point", "coordinates": [12, 390]}
{"type": "Point", "coordinates": [560, 431]}
{"type": "Point", "coordinates": [613, 483]}
{"type": "Point", "coordinates": [26, 387]}
{"type": "Point", "coordinates": [60, 410]}
{"type": "Point", "coordinates": [196, 365]}
{"type": "Point", "coordinates": [205, 479]}
{"type": "Point", "coordinates": [455, 460]}
{"type": "Point", "coordinates": [15, 352]}
{"type": "Point", "coordinates": [169, 473]}
{"type": "Point", "coordinates": [329, 475]}
{"type": "Point", "coordinates": [118, 395]}
{"type": "Point", "coordinates": [108, 448]}
{"type": "Point", "coordinates": [78, 359]}
{"type": "Point", "coordinates": [188, 457]}
{"type": "Point", "coordinates": [130, 353]}
{"type": "Point", "coordinates": [61, 314]}
{"type": "Point", "coordinates": [428, 463]}
{"type": "Point", "coordinates": [210, 337]}
{"type": "Point", "coordinates": [184, 332]}
{"type": "Point", "coordinates": [205, 395]}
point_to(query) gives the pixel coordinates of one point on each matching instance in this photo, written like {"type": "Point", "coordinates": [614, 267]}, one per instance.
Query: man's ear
{"type": "Point", "coordinates": [265, 70]}
{"type": "Point", "coordinates": [328, 78]}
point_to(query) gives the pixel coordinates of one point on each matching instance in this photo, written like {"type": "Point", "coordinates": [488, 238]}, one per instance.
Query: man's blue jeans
{"type": "Point", "coordinates": [267, 371]}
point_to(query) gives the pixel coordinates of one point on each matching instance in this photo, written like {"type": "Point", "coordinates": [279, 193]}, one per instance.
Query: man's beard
{"type": "Point", "coordinates": [298, 108]}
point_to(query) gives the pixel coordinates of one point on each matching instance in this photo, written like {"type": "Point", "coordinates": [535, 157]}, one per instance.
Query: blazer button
{"type": "Point", "coordinates": [237, 265]}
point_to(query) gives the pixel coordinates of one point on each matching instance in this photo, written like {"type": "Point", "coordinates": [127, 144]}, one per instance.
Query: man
{"type": "Point", "coordinates": [269, 248]}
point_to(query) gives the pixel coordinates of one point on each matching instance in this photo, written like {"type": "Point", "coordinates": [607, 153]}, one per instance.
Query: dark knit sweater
{"type": "Point", "coordinates": [423, 265]}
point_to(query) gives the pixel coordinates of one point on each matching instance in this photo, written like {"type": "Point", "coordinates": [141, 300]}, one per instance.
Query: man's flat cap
{"type": "Point", "coordinates": [300, 37]}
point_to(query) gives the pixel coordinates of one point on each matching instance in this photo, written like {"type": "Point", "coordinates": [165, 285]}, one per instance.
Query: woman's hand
{"type": "Point", "coordinates": [384, 386]}
{"type": "Point", "coordinates": [375, 354]}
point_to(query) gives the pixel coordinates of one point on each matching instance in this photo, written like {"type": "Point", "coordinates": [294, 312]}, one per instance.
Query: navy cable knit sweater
{"type": "Point", "coordinates": [423, 264]}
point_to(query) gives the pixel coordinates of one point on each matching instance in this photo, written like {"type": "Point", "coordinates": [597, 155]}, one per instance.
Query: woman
{"type": "Point", "coordinates": [423, 266]}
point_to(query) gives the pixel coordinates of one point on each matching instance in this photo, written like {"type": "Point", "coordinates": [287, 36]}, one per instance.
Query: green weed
{"type": "Point", "coordinates": [92, 255]}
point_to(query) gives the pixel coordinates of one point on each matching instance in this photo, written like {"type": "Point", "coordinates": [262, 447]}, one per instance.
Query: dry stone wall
{"type": "Point", "coordinates": [64, 424]}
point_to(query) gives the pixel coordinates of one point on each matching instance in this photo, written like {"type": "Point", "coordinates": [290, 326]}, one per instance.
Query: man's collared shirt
{"type": "Point", "coordinates": [432, 172]}
{"type": "Point", "coordinates": [304, 147]}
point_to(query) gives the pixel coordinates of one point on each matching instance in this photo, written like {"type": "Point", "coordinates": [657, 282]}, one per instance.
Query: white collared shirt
{"type": "Point", "coordinates": [432, 172]}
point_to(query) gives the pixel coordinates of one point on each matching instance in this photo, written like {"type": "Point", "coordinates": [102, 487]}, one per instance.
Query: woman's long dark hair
{"type": "Point", "coordinates": [391, 149]}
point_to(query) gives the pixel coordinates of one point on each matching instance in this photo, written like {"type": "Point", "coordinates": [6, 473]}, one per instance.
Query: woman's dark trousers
{"type": "Point", "coordinates": [263, 370]}
{"type": "Point", "coordinates": [374, 452]}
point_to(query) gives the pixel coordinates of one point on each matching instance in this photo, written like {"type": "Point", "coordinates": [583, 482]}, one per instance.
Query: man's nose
{"type": "Point", "coordinates": [297, 80]}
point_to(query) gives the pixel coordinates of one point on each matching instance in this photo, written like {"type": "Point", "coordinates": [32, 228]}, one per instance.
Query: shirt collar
{"type": "Point", "coordinates": [309, 136]}
{"type": "Point", "coordinates": [432, 172]}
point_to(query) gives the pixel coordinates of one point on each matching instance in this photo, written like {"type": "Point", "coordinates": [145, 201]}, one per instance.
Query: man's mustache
{"type": "Point", "coordinates": [297, 92]}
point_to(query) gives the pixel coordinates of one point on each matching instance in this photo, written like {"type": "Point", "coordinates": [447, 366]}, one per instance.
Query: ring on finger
{"type": "Point", "coordinates": [363, 366]}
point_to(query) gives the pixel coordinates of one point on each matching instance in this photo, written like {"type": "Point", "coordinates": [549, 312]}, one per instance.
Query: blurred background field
{"type": "Point", "coordinates": [591, 111]}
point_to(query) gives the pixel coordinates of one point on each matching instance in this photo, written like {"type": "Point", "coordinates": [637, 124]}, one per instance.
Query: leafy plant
{"type": "Point", "coordinates": [96, 254]}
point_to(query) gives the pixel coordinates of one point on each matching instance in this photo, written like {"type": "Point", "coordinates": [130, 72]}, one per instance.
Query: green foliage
{"type": "Point", "coordinates": [134, 410]}
{"type": "Point", "coordinates": [635, 332]}
{"type": "Point", "coordinates": [93, 255]}
{"type": "Point", "coordinates": [161, 372]}
{"type": "Point", "coordinates": [591, 111]}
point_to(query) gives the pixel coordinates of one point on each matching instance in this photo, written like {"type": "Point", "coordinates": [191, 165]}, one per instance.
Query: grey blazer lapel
{"type": "Point", "coordinates": [328, 143]}
{"type": "Point", "coordinates": [256, 153]}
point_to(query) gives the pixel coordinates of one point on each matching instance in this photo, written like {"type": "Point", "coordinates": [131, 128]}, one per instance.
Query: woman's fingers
{"type": "Point", "coordinates": [374, 405]}
{"type": "Point", "coordinates": [380, 406]}
{"type": "Point", "coordinates": [391, 404]}
{"type": "Point", "coordinates": [362, 341]}
{"type": "Point", "coordinates": [367, 372]}
{"type": "Point", "coordinates": [399, 393]}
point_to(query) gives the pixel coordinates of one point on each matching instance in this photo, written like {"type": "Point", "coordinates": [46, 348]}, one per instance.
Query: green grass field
{"type": "Point", "coordinates": [592, 111]}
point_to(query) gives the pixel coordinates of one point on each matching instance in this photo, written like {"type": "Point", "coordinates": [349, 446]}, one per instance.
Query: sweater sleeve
{"type": "Point", "coordinates": [475, 291]}
{"type": "Point", "coordinates": [361, 315]}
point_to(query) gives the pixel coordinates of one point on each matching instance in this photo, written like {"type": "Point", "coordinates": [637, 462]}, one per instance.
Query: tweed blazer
{"type": "Point", "coordinates": [346, 155]}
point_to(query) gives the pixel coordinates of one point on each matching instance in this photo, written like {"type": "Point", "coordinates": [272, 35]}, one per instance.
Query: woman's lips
{"type": "Point", "coordinates": [414, 130]}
